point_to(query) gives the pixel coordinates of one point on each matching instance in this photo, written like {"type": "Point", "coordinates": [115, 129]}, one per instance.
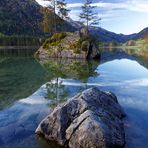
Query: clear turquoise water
{"type": "Point", "coordinates": [30, 89]}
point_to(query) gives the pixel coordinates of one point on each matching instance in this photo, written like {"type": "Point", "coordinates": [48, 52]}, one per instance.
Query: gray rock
{"type": "Point", "coordinates": [42, 54]}
{"type": "Point", "coordinates": [91, 50]}
{"type": "Point", "coordinates": [68, 48]}
{"type": "Point", "coordinates": [84, 31]}
{"type": "Point", "coordinates": [92, 119]}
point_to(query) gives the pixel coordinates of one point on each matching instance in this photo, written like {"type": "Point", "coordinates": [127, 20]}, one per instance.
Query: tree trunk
{"type": "Point", "coordinates": [55, 27]}
{"type": "Point", "coordinates": [87, 27]}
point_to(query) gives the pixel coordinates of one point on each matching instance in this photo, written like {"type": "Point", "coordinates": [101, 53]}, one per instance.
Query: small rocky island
{"type": "Point", "coordinates": [91, 119]}
{"type": "Point", "coordinates": [77, 45]}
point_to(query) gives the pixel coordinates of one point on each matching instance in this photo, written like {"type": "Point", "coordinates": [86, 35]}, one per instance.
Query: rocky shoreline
{"type": "Point", "coordinates": [92, 118]}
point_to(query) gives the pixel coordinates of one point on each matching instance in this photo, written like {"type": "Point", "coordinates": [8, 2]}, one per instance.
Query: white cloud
{"type": "Point", "coordinates": [42, 2]}
{"type": "Point", "coordinates": [73, 5]}
{"type": "Point", "coordinates": [74, 14]}
{"type": "Point", "coordinates": [132, 102]}
{"type": "Point", "coordinates": [131, 5]}
{"type": "Point", "coordinates": [108, 16]}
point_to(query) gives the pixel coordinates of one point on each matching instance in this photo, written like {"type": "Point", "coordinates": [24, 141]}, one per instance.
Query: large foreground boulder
{"type": "Point", "coordinates": [92, 119]}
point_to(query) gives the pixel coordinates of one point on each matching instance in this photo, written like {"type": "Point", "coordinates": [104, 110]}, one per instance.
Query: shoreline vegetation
{"type": "Point", "coordinates": [20, 40]}
{"type": "Point", "coordinates": [137, 47]}
{"type": "Point", "coordinates": [18, 47]}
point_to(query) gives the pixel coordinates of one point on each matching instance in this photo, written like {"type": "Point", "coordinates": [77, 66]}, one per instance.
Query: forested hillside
{"type": "Point", "coordinates": [23, 17]}
{"type": "Point", "coordinates": [20, 17]}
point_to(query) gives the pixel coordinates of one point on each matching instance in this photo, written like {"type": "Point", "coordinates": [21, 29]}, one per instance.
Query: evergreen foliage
{"type": "Point", "coordinates": [88, 16]}
{"type": "Point", "coordinates": [20, 40]}
{"type": "Point", "coordinates": [59, 14]}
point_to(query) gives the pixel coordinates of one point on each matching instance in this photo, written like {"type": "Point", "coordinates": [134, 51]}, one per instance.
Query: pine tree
{"type": "Point", "coordinates": [62, 11]}
{"type": "Point", "coordinates": [47, 23]}
{"type": "Point", "coordinates": [57, 7]}
{"type": "Point", "coordinates": [88, 16]}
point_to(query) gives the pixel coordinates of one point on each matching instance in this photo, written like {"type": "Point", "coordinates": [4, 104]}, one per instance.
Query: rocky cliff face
{"type": "Point", "coordinates": [92, 119]}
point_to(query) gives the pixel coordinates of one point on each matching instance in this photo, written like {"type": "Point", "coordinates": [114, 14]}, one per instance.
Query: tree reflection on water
{"type": "Point", "coordinates": [56, 92]}
{"type": "Point", "coordinates": [67, 69]}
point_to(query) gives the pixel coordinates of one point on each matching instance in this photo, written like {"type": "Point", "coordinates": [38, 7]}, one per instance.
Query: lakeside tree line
{"type": "Point", "coordinates": [20, 40]}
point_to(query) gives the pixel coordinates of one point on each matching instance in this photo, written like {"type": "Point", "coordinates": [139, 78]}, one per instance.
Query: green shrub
{"type": "Point", "coordinates": [1, 34]}
{"type": "Point", "coordinates": [131, 43]}
{"type": "Point", "coordinates": [73, 45]}
{"type": "Point", "coordinates": [86, 38]}
{"type": "Point", "coordinates": [84, 47]}
{"type": "Point", "coordinates": [54, 40]}
{"type": "Point", "coordinates": [77, 47]}
{"type": "Point", "coordinates": [146, 47]}
{"type": "Point", "coordinates": [76, 51]}
{"type": "Point", "coordinates": [46, 43]}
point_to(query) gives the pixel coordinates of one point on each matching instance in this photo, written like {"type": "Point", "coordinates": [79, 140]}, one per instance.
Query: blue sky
{"type": "Point", "coordinates": [119, 16]}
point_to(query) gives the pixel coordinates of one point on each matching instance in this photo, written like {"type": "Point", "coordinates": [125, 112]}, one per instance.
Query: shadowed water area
{"type": "Point", "coordinates": [30, 89]}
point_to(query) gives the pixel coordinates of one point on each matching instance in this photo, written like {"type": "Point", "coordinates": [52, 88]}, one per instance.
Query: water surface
{"type": "Point", "coordinates": [30, 89]}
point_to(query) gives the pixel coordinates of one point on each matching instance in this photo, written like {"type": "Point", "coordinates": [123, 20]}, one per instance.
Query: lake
{"type": "Point", "coordinates": [30, 89]}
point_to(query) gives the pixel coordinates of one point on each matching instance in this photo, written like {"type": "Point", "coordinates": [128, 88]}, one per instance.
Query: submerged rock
{"type": "Point", "coordinates": [92, 119]}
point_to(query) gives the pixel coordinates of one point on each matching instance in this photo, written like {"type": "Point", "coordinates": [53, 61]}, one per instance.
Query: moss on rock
{"type": "Point", "coordinates": [55, 40]}
{"type": "Point", "coordinates": [70, 45]}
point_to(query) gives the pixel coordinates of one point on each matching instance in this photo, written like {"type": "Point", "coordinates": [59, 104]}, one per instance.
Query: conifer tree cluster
{"type": "Point", "coordinates": [88, 16]}
{"type": "Point", "coordinates": [55, 13]}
